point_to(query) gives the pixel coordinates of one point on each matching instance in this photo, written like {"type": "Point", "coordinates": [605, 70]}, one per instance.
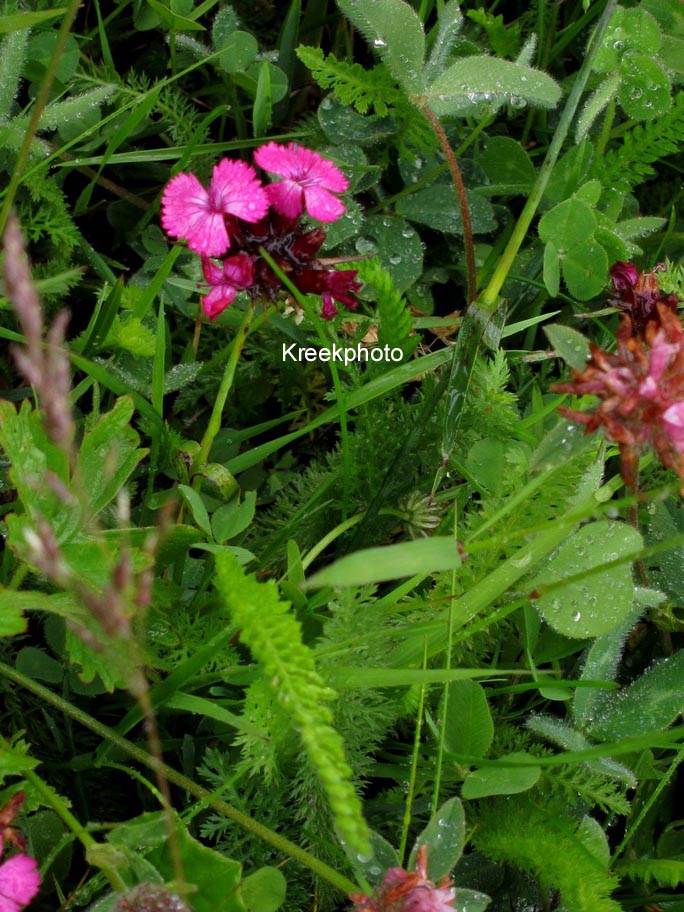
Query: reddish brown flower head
{"type": "Point", "coordinates": [637, 294]}
{"type": "Point", "coordinates": [641, 388]}
{"type": "Point", "coordinates": [401, 891]}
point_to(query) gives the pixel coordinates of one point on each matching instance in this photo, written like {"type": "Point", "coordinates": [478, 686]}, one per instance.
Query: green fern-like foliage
{"type": "Point", "coordinates": [395, 317]}
{"type": "Point", "coordinates": [364, 89]}
{"type": "Point", "coordinates": [642, 147]}
{"type": "Point", "coordinates": [665, 872]}
{"type": "Point", "coordinates": [542, 839]}
{"type": "Point", "coordinates": [275, 639]}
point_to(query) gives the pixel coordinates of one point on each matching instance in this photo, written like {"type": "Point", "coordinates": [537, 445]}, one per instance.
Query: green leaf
{"type": "Point", "coordinates": [645, 89]}
{"type": "Point", "coordinates": [639, 227]}
{"type": "Point", "coordinates": [592, 603]}
{"type": "Point", "coordinates": [15, 22]}
{"type": "Point", "coordinates": [264, 890]}
{"type": "Point", "coordinates": [108, 455]}
{"type": "Point", "coordinates": [394, 31]}
{"type": "Point", "coordinates": [12, 57]}
{"type": "Point", "coordinates": [372, 867]}
{"type": "Point", "coordinates": [628, 30]}
{"type": "Point", "coordinates": [594, 105]}
{"type": "Point", "coordinates": [551, 270]}
{"type": "Point", "coordinates": [174, 20]}
{"type": "Point", "coordinates": [472, 900]}
{"type": "Point", "coordinates": [666, 872]}
{"type": "Point", "coordinates": [501, 780]}
{"type": "Point", "coordinates": [197, 508]}
{"type": "Point", "coordinates": [672, 53]}
{"type": "Point", "coordinates": [38, 665]}
{"type": "Point", "coordinates": [649, 704]}
{"type": "Point", "coordinates": [397, 245]}
{"type": "Point", "coordinates": [390, 562]}
{"type": "Point", "coordinates": [568, 224]}
{"type": "Point", "coordinates": [238, 51]}
{"type": "Point", "coordinates": [569, 172]}
{"type": "Point", "coordinates": [473, 80]}
{"type": "Point", "coordinates": [569, 345]}
{"type": "Point", "coordinates": [448, 26]}
{"type": "Point", "coordinates": [585, 270]}
{"type": "Point", "coordinates": [263, 101]}
{"type": "Point", "coordinates": [468, 726]}
{"type": "Point", "coordinates": [12, 619]}
{"type": "Point", "coordinates": [437, 207]}
{"type": "Point", "coordinates": [14, 759]}
{"type": "Point", "coordinates": [507, 165]}
{"type": "Point", "coordinates": [59, 113]}
{"type": "Point", "coordinates": [233, 518]}
{"type": "Point", "coordinates": [444, 836]}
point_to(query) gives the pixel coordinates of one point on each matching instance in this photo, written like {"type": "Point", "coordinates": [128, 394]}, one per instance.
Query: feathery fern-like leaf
{"type": "Point", "coordinates": [644, 145]}
{"type": "Point", "coordinates": [275, 639]}
{"type": "Point", "coordinates": [395, 317]}
{"type": "Point", "coordinates": [352, 83]}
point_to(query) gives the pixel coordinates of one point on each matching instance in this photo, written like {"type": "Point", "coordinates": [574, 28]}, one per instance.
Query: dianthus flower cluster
{"type": "Point", "coordinates": [641, 384]}
{"type": "Point", "coordinates": [404, 891]}
{"type": "Point", "coordinates": [19, 877]}
{"type": "Point", "coordinates": [238, 216]}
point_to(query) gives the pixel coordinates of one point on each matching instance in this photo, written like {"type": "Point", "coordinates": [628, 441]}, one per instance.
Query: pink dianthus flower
{"type": "Point", "coordinates": [19, 882]}
{"type": "Point", "coordinates": [307, 181]}
{"type": "Point", "coordinates": [198, 215]}
{"type": "Point", "coordinates": [235, 274]}
{"type": "Point", "coordinates": [404, 891]}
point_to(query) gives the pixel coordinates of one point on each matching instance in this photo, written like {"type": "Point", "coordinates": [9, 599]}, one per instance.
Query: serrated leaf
{"type": "Point", "coordinates": [108, 455]}
{"type": "Point", "coordinates": [438, 208]}
{"type": "Point", "coordinates": [394, 31]}
{"type": "Point", "coordinates": [589, 605]}
{"type": "Point", "coordinates": [628, 30]}
{"type": "Point", "coordinates": [507, 165]}
{"type": "Point", "coordinates": [478, 79]}
{"type": "Point", "coordinates": [569, 345]}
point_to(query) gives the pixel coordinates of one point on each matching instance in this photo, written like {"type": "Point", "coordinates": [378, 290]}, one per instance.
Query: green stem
{"type": "Point", "coordinates": [330, 537]}
{"type": "Point", "coordinates": [408, 807]}
{"type": "Point", "coordinates": [488, 298]}
{"type": "Point", "coordinates": [281, 843]}
{"type": "Point", "coordinates": [339, 392]}
{"type": "Point", "coordinates": [445, 696]}
{"type": "Point", "coordinates": [214, 425]}
{"type": "Point", "coordinates": [58, 805]}
{"type": "Point", "coordinates": [457, 177]}
{"type": "Point", "coordinates": [38, 107]}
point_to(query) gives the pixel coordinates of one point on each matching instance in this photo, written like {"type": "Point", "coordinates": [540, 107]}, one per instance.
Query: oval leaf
{"type": "Point", "coordinates": [444, 837]}
{"type": "Point", "coordinates": [590, 605]}
{"type": "Point", "coordinates": [501, 780]}
{"type": "Point", "coordinates": [478, 79]}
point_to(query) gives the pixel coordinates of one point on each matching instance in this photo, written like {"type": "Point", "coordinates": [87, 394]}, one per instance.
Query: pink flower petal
{"type": "Point", "coordinates": [286, 197]}
{"type": "Point", "coordinates": [673, 422]}
{"type": "Point", "coordinates": [322, 205]}
{"type": "Point", "coordinates": [278, 159]}
{"type": "Point", "coordinates": [187, 213]}
{"type": "Point", "coordinates": [239, 271]}
{"type": "Point", "coordinates": [218, 299]}
{"type": "Point", "coordinates": [19, 882]}
{"type": "Point", "coordinates": [328, 175]}
{"type": "Point", "coordinates": [328, 311]}
{"type": "Point", "coordinates": [236, 190]}
{"type": "Point", "coordinates": [213, 274]}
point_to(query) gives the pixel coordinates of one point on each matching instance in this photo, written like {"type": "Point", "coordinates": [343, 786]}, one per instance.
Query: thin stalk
{"type": "Point", "coordinates": [59, 806]}
{"type": "Point", "coordinates": [281, 843]}
{"type": "Point", "coordinates": [447, 664]}
{"type": "Point", "coordinates": [214, 425]}
{"type": "Point", "coordinates": [647, 806]}
{"type": "Point", "coordinates": [471, 271]}
{"type": "Point", "coordinates": [488, 298]}
{"type": "Point", "coordinates": [38, 107]}
{"type": "Point", "coordinates": [408, 807]}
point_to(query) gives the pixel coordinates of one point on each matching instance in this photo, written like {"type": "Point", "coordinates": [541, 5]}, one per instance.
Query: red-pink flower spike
{"type": "Point", "coordinates": [198, 215]}
{"type": "Point", "coordinates": [404, 891]}
{"type": "Point", "coordinates": [308, 181]}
